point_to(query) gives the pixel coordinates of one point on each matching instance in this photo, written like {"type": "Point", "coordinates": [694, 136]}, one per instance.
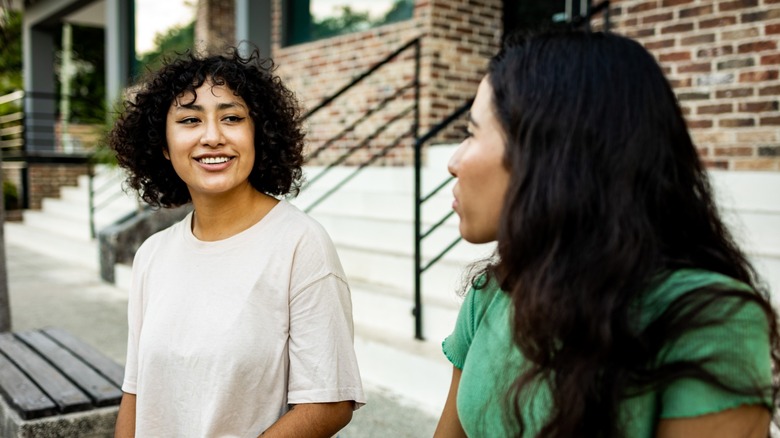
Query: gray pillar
{"type": "Point", "coordinates": [120, 48]}
{"type": "Point", "coordinates": [39, 101]}
{"type": "Point", "coordinates": [253, 24]}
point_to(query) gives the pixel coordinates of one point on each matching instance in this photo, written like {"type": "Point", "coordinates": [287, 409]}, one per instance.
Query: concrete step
{"type": "Point", "coordinates": [66, 227]}
{"type": "Point", "coordinates": [77, 211]}
{"type": "Point", "coordinates": [53, 244]}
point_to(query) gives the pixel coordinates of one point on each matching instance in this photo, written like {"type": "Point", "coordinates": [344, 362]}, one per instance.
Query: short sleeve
{"type": "Point", "coordinates": [456, 346]}
{"type": "Point", "coordinates": [323, 366]}
{"type": "Point", "coordinates": [737, 351]}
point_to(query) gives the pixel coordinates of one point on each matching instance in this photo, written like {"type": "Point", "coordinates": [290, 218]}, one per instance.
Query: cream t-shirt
{"type": "Point", "coordinates": [224, 335]}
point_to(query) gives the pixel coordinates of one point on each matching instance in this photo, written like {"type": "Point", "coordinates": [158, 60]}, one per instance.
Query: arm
{"type": "Point", "coordinates": [745, 421]}
{"type": "Point", "coordinates": [449, 423]}
{"type": "Point", "coordinates": [125, 419]}
{"type": "Point", "coordinates": [312, 420]}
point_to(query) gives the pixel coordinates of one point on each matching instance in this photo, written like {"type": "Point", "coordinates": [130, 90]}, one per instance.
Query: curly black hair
{"type": "Point", "coordinates": [138, 136]}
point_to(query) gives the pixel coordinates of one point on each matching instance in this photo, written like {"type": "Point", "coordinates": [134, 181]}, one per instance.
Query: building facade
{"type": "Point", "coordinates": [721, 56]}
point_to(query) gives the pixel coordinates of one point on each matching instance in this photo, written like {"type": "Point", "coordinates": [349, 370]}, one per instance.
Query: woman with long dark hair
{"type": "Point", "coordinates": [617, 304]}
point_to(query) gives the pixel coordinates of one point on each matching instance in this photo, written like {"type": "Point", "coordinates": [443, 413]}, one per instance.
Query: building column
{"type": "Point", "coordinates": [253, 24]}
{"type": "Point", "coordinates": [120, 48]}
{"type": "Point", "coordinates": [38, 49]}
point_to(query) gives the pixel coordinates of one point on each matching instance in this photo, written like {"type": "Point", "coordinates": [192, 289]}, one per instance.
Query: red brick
{"type": "Point", "coordinates": [713, 52]}
{"type": "Point", "coordinates": [720, 108]}
{"type": "Point", "coordinates": [695, 12]}
{"type": "Point", "coordinates": [675, 56]}
{"type": "Point", "coordinates": [641, 33]}
{"type": "Point", "coordinates": [663, 44]}
{"type": "Point", "coordinates": [667, 3]}
{"type": "Point", "coordinates": [756, 164]}
{"type": "Point", "coordinates": [657, 18]}
{"type": "Point", "coordinates": [681, 82]}
{"type": "Point", "coordinates": [735, 93]}
{"type": "Point", "coordinates": [695, 68]}
{"type": "Point", "coordinates": [733, 151]}
{"type": "Point", "coordinates": [699, 124]}
{"type": "Point", "coordinates": [718, 22]}
{"type": "Point", "coordinates": [772, 28]}
{"type": "Point", "coordinates": [770, 121]}
{"type": "Point", "coordinates": [642, 7]}
{"type": "Point", "coordinates": [740, 34]}
{"type": "Point", "coordinates": [677, 28]}
{"type": "Point", "coordinates": [758, 46]}
{"type": "Point", "coordinates": [765, 15]}
{"type": "Point", "coordinates": [770, 59]}
{"type": "Point", "coordinates": [757, 107]}
{"type": "Point", "coordinates": [758, 76]}
{"type": "Point", "coordinates": [737, 4]}
{"type": "Point", "coordinates": [716, 164]}
{"type": "Point", "coordinates": [698, 39]}
{"type": "Point", "coordinates": [773, 90]}
{"type": "Point", "coordinates": [736, 123]}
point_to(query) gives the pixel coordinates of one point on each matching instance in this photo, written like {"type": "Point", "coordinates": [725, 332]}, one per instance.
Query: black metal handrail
{"type": "Point", "coordinates": [420, 199]}
{"type": "Point", "coordinates": [367, 141]}
{"type": "Point", "coordinates": [359, 78]}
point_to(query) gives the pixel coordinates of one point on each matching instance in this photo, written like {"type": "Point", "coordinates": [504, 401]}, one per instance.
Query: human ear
{"type": "Point", "coordinates": [166, 154]}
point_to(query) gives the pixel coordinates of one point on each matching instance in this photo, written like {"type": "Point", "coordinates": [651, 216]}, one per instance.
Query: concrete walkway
{"type": "Point", "coordinates": [46, 290]}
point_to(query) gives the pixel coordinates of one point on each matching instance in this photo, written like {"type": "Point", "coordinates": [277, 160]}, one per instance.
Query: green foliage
{"type": "Point", "coordinates": [174, 41]}
{"type": "Point", "coordinates": [11, 50]}
{"type": "Point", "coordinates": [10, 196]}
{"type": "Point", "coordinates": [88, 86]}
{"type": "Point", "coordinates": [348, 20]}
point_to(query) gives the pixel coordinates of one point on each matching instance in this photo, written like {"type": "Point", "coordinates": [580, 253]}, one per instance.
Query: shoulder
{"type": "Point", "coordinates": [484, 297]}
{"type": "Point", "coordinates": [305, 229]}
{"type": "Point", "coordinates": [691, 287]}
{"type": "Point", "coordinates": [159, 240]}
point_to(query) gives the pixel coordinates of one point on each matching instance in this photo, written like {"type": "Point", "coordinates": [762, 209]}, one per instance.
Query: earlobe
{"type": "Point", "coordinates": [166, 154]}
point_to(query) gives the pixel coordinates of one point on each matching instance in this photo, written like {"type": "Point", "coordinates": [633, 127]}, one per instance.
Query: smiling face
{"type": "Point", "coordinates": [482, 177]}
{"type": "Point", "coordinates": [211, 141]}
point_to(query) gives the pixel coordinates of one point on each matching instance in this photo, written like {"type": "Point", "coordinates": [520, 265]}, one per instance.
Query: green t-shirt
{"type": "Point", "coordinates": [481, 346]}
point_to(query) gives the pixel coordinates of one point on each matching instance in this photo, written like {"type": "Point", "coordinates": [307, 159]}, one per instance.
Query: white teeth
{"type": "Point", "coordinates": [214, 160]}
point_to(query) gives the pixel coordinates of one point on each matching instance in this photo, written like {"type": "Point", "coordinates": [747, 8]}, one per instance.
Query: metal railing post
{"type": "Point", "coordinates": [418, 326]}
{"type": "Point", "coordinates": [91, 185]}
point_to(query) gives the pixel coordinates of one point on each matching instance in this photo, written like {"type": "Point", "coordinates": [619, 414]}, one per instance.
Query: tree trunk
{"type": "Point", "coordinates": [5, 305]}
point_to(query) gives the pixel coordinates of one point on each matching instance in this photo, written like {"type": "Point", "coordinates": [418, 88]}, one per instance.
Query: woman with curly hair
{"type": "Point", "coordinates": [240, 319]}
{"type": "Point", "coordinates": [617, 304]}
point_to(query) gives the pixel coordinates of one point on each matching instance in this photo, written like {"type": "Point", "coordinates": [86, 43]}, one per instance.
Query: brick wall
{"type": "Point", "coordinates": [46, 179]}
{"type": "Point", "coordinates": [458, 37]}
{"type": "Point", "coordinates": [723, 59]}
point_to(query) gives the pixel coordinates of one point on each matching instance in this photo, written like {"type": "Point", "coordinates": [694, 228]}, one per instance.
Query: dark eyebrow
{"type": "Point", "coordinates": [221, 106]}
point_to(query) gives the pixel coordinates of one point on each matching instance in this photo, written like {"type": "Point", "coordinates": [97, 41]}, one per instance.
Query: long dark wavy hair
{"type": "Point", "coordinates": [138, 136]}
{"type": "Point", "coordinates": [607, 198]}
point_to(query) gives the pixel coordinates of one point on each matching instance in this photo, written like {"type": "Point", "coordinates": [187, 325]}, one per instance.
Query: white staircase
{"type": "Point", "coordinates": [61, 228]}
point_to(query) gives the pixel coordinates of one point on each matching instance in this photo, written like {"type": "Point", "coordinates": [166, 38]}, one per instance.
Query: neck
{"type": "Point", "coordinates": [220, 217]}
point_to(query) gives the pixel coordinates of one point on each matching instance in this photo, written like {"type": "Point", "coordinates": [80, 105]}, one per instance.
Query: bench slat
{"type": "Point", "coordinates": [22, 394]}
{"type": "Point", "coordinates": [65, 394]}
{"type": "Point", "coordinates": [100, 362]}
{"type": "Point", "coordinates": [98, 388]}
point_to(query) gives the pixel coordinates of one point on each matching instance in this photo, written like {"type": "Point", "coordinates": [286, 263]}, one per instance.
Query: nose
{"type": "Point", "coordinates": [452, 165]}
{"type": "Point", "coordinates": [212, 134]}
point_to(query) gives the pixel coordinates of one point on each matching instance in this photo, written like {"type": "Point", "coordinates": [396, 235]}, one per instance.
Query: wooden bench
{"type": "Point", "coordinates": [55, 385]}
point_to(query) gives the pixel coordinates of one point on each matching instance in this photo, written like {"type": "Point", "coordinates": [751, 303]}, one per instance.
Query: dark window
{"type": "Point", "coordinates": [530, 15]}
{"type": "Point", "coordinates": [309, 20]}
